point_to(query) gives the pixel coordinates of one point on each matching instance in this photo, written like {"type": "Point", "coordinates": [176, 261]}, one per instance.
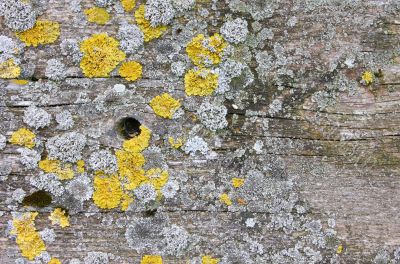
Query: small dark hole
{"type": "Point", "coordinates": [129, 127]}
{"type": "Point", "coordinates": [37, 199]}
{"type": "Point", "coordinates": [150, 213]}
{"type": "Point", "coordinates": [34, 79]}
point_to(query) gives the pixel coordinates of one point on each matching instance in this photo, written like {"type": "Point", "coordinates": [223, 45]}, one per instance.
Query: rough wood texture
{"type": "Point", "coordinates": [319, 151]}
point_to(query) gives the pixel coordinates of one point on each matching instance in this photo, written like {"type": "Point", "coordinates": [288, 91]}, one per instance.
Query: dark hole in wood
{"type": "Point", "coordinates": [129, 127]}
{"type": "Point", "coordinates": [37, 199]}
{"type": "Point", "coordinates": [150, 213]}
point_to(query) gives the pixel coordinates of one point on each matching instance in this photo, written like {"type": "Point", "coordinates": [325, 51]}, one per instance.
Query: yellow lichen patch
{"type": "Point", "coordinates": [59, 217]}
{"type": "Point", "coordinates": [131, 70]}
{"type": "Point", "coordinates": [80, 166]}
{"type": "Point", "coordinates": [149, 32]}
{"type": "Point", "coordinates": [201, 82]}
{"type": "Point", "coordinates": [237, 182]}
{"type": "Point", "coordinates": [139, 143]}
{"type": "Point", "coordinates": [97, 15]}
{"type": "Point", "coordinates": [367, 78]}
{"type": "Point", "coordinates": [224, 198]}
{"type": "Point", "coordinates": [134, 179]}
{"type": "Point", "coordinates": [128, 161]}
{"type": "Point", "coordinates": [151, 259]}
{"type": "Point", "coordinates": [28, 239]}
{"type": "Point", "coordinates": [204, 51]}
{"type": "Point", "coordinates": [164, 105]}
{"type": "Point", "coordinates": [44, 32]}
{"type": "Point", "coordinates": [339, 250]}
{"type": "Point", "coordinates": [23, 137]}
{"type": "Point", "coordinates": [100, 55]}
{"type": "Point", "coordinates": [19, 82]}
{"type": "Point", "coordinates": [127, 199]}
{"type": "Point", "coordinates": [209, 260]}
{"type": "Point", "coordinates": [54, 261]}
{"type": "Point", "coordinates": [175, 143]}
{"type": "Point", "coordinates": [9, 69]}
{"type": "Point", "coordinates": [107, 190]}
{"type": "Point", "coordinates": [64, 171]}
{"type": "Point", "coordinates": [128, 5]}
{"type": "Point", "coordinates": [157, 177]}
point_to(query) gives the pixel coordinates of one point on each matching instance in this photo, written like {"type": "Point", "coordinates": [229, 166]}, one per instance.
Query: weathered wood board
{"type": "Point", "coordinates": [315, 142]}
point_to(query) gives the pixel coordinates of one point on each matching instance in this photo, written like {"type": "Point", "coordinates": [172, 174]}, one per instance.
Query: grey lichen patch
{"type": "Point", "coordinates": [18, 15]}
{"type": "Point", "coordinates": [170, 189]}
{"type": "Point", "coordinates": [48, 235]}
{"type": "Point", "coordinates": [29, 158]}
{"type": "Point", "coordinates": [80, 188]}
{"type": "Point", "coordinates": [66, 147]}
{"type": "Point", "coordinates": [235, 31]}
{"type": "Point", "coordinates": [159, 12]}
{"type": "Point", "coordinates": [36, 117]}
{"type": "Point", "coordinates": [3, 141]}
{"type": "Point", "coordinates": [65, 120]}
{"type": "Point", "coordinates": [158, 233]}
{"type": "Point", "coordinates": [103, 3]}
{"type": "Point", "coordinates": [48, 182]}
{"type": "Point", "coordinates": [70, 49]}
{"type": "Point", "coordinates": [103, 160]}
{"type": "Point", "coordinates": [213, 116]}
{"type": "Point", "coordinates": [131, 38]}
{"type": "Point", "coordinates": [96, 257]}
{"type": "Point", "coordinates": [55, 70]}
{"type": "Point", "coordinates": [9, 49]}
{"type": "Point", "coordinates": [196, 145]}
{"type": "Point", "coordinates": [145, 193]}
{"type": "Point", "coordinates": [176, 240]}
{"type": "Point", "coordinates": [183, 5]}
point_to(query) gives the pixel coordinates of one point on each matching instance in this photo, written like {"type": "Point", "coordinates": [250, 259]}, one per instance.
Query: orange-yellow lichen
{"type": "Point", "coordinates": [139, 143]}
{"type": "Point", "coordinates": [126, 200]}
{"type": "Point", "coordinates": [100, 55]}
{"type": "Point", "coordinates": [44, 32]}
{"type": "Point", "coordinates": [107, 190]}
{"type": "Point", "coordinates": [54, 261]}
{"type": "Point", "coordinates": [128, 5]}
{"type": "Point", "coordinates": [59, 217]}
{"type": "Point", "coordinates": [9, 69]}
{"type": "Point", "coordinates": [19, 82]}
{"type": "Point", "coordinates": [201, 82]}
{"type": "Point", "coordinates": [203, 51]}
{"type": "Point", "coordinates": [131, 70]}
{"type": "Point", "coordinates": [80, 166]}
{"type": "Point", "coordinates": [23, 137]}
{"type": "Point", "coordinates": [241, 201]}
{"type": "Point", "coordinates": [209, 260]}
{"type": "Point", "coordinates": [339, 249]}
{"type": "Point", "coordinates": [149, 32]}
{"type": "Point", "coordinates": [165, 105]}
{"type": "Point", "coordinates": [237, 182]}
{"type": "Point", "coordinates": [367, 78]}
{"type": "Point", "coordinates": [64, 171]}
{"type": "Point", "coordinates": [175, 143]}
{"type": "Point", "coordinates": [157, 177]}
{"type": "Point", "coordinates": [28, 239]}
{"type": "Point", "coordinates": [97, 15]}
{"type": "Point", "coordinates": [134, 179]}
{"type": "Point", "coordinates": [224, 198]}
{"type": "Point", "coordinates": [128, 161]}
{"type": "Point", "coordinates": [151, 259]}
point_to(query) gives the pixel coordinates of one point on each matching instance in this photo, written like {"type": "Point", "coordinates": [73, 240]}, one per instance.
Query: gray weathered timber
{"type": "Point", "coordinates": [319, 150]}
